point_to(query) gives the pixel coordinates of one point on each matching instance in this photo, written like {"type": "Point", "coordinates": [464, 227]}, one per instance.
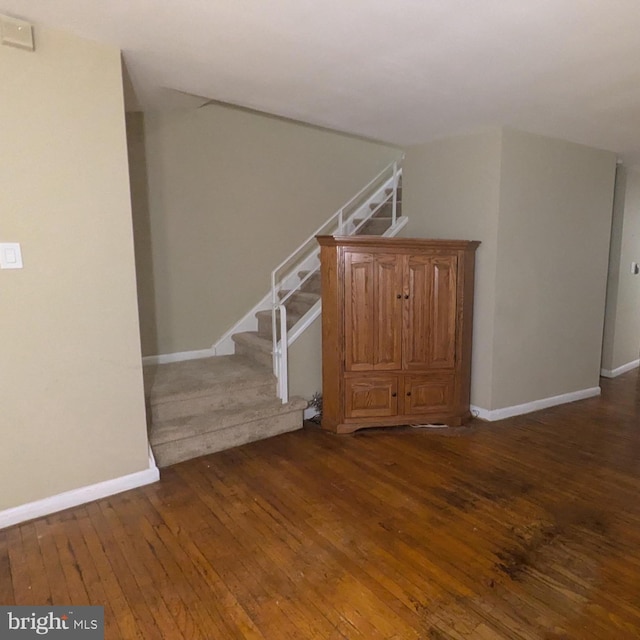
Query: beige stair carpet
{"type": "Point", "coordinates": [201, 406]}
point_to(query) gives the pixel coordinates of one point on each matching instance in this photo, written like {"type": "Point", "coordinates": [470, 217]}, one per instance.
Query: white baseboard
{"type": "Point", "coordinates": [179, 356]}
{"type": "Point", "coordinates": [613, 373]}
{"type": "Point", "coordinates": [76, 497]}
{"type": "Point", "coordinates": [536, 405]}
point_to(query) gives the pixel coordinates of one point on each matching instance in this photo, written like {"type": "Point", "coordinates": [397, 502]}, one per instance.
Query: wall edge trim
{"type": "Point", "coordinates": [536, 405]}
{"type": "Point", "coordinates": [77, 497]}
{"type": "Point", "coordinates": [179, 356]}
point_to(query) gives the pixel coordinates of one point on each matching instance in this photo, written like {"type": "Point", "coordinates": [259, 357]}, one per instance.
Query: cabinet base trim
{"type": "Point", "coordinates": [352, 425]}
{"type": "Point", "coordinates": [536, 405]}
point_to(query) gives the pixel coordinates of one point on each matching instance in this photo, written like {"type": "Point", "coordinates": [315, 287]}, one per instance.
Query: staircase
{"type": "Point", "coordinates": [258, 344]}
{"type": "Point", "coordinates": [202, 406]}
{"type": "Point", "coordinates": [197, 407]}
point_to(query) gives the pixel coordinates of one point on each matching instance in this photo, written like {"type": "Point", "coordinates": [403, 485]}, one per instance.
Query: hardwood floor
{"type": "Point", "coordinates": [528, 528]}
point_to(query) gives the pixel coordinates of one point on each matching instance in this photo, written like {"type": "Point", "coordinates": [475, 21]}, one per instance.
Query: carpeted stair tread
{"type": "Point", "coordinates": [223, 396]}
{"type": "Point", "coordinates": [252, 339]}
{"type": "Point", "coordinates": [209, 442]}
{"type": "Point", "coordinates": [305, 297]}
{"type": "Point", "coordinates": [374, 226]}
{"type": "Point", "coordinates": [167, 431]}
{"type": "Point", "coordinates": [312, 285]}
{"type": "Point", "coordinates": [265, 321]}
{"type": "Point", "coordinates": [191, 379]}
{"type": "Point", "coordinates": [300, 302]}
{"type": "Point", "coordinates": [253, 346]}
{"type": "Point", "coordinates": [389, 190]}
{"type": "Point", "coordinates": [385, 210]}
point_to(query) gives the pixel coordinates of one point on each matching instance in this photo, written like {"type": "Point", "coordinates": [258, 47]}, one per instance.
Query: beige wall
{"type": "Point", "coordinates": [71, 398]}
{"type": "Point", "coordinates": [142, 229]}
{"type": "Point", "coordinates": [451, 190]}
{"type": "Point", "coordinates": [305, 362]}
{"type": "Point", "coordinates": [231, 193]}
{"type": "Point", "coordinates": [542, 209]}
{"type": "Point", "coordinates": [622, 321]}
{"type": "Point", "coordinates": [553, 245]}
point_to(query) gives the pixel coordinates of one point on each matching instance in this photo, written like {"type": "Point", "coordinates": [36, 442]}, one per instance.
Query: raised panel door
{"type": "Point", "coordinates": [388, 303]}
{"type": "Point", "coordinates": [371, 396]}
{"type": "Point", "coordinates": [359, 282]}
{"type": "Point", "coordinates": [417, 292]}
{"type": "Point", "coordinates": [442, 312]}
{"type": "Point", "coordinates": [429, 328]}
{"type": "Point", "coordinates": [429, 393]}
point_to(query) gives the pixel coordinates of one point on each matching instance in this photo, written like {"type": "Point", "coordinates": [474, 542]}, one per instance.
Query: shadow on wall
{"type": "Point", "coordinates": [142, 232]}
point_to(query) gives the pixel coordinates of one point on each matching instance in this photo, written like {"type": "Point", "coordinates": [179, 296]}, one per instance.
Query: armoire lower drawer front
{"type": "Point", "coordinates": [371, 396]}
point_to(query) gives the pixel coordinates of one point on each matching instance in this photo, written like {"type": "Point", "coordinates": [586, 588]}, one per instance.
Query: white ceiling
{"type": "Point", "coordinates": [401, 71]}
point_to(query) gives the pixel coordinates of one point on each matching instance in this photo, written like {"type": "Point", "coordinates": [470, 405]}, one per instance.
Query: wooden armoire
{"type": "Point", "coordinates": [396, 331]}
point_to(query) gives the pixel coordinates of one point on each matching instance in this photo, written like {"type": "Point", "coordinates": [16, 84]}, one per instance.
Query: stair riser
{"type": "Point", "coordinates": [299, 306]}
{"type": "Point", "coordinates": [193, 426]}
{"type": "Point", "coordinates": [266, 322]}
{"type": "Point", "coordinates": [265, 359]}
{"type": "Point", "coordinates": [220, 399]}
{"type": "Point", "coordinates": [308, 299]}
{"type": "Point", "coordinates": [386, 210]}
{"type": "Point", "coordinates": [312, 285]}
{"type": "Point", "coordinates": [373, 227]}
{"type": "Point", "coordinates": [390, 191]}
{"type": "Point", "coordinates": [200, 445]}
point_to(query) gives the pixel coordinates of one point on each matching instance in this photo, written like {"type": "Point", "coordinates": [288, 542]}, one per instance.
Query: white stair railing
{"type": "Point", "coordinates": [286, 279]}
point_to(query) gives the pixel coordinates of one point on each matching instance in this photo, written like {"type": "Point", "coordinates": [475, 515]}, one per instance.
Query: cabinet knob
{"type": "Point", "coordinates": [408, 393]}
{"type": "Point", "coordinates": [406, 297]}
{"type": "Point", "coordinates": [399, 296]}
{"type": "Point", "coordinates": [394, 394]}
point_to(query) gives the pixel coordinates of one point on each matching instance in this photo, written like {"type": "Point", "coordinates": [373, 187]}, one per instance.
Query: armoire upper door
{"type": "Point", "coordinates": [373, 311]}
{"type": "Point", "coordinates": [429, 336]}
{"type": "Point", "coordinates": [388, 302]}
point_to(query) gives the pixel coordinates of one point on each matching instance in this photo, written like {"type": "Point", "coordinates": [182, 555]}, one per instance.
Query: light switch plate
{"type": "Point", "coordinates": [10, 255]}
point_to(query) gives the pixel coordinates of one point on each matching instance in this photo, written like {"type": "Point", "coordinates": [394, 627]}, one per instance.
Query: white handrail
{"type": "Point", "coordinates": [338, 214]}
{"type": "Point", "coordinates": [303, 252]}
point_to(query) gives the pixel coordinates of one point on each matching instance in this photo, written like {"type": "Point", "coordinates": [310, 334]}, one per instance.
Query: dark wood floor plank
{"type": "Point", "coordinates": [6, 583]}
{"type": "Point", "coordinates": [45, 529]}
{"type": "Point", "coordinates": [266, 551]}
{"type": "Point", "coordinates": [122, 625]}
{"type": "Point", "coordinates": [387, 575]}
{"type": "Point", "coordinates": [160, 609]}
{"type": "Point", "coordinates": [292, 550]}
{"type": "Point", "coordinates": [39, 591]}
{"type": "Point", "coordinates": [172, 567]}
{"type": "Point", "coordinates": [526, 529]}
{"type": "Point", "coordinates": [136, 601]}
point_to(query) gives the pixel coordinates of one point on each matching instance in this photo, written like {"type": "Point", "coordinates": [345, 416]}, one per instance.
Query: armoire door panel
{"type": "Point", "coordinates": [428, 393]}
{"type": "Point", "coordinates": [442, 312]}
{"type": "Point", "coordinates": [416, 294]}
{"type": "Point", "coordinates": [371, 396]}
{"type": "Point", "coordinates": [387, 317]}
{"type": "Point", "coordinates": [359, 311]}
